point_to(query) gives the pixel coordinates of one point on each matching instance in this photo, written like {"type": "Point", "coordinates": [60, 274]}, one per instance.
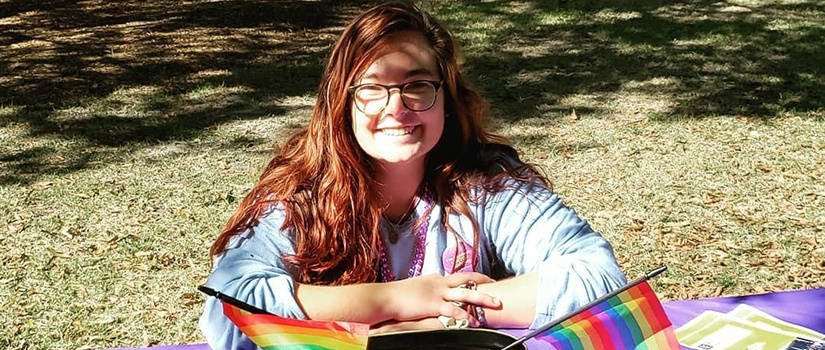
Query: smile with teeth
{"type": "Point", "coordinates": [397, 131]}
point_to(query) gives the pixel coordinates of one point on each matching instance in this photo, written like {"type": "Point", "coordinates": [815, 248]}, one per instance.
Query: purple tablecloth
{"type": "Point", "coordinates": [802, 307]}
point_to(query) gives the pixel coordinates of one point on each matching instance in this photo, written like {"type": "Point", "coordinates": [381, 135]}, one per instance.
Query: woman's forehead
{"type": "Point", "coordinates": [403, 55]}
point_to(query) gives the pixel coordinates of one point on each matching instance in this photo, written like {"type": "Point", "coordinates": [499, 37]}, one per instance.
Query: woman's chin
{"type": "Point", "coordinates": [399, 159]}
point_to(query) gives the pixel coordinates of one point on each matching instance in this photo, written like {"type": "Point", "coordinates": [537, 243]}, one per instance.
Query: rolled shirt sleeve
{"type": "Point", "coordinates": [528, 228]}
{"type": "Point", "coordinates": [252, 271]}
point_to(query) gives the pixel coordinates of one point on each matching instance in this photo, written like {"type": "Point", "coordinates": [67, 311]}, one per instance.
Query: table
{"type": "Point", "coordinates": [803, 307]}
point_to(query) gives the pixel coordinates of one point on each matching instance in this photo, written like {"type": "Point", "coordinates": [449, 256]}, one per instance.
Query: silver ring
{"type": "Point", "coordinates": [471, 285]}
{"type": "Point", "coordinates": [452, 323]}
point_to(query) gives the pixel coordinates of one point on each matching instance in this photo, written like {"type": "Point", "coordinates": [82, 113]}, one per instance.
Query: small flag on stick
{"type": "Point", "coordinates": [271, 332]}
{"type": "Point", "coordinates": [630, 318]}
{"type": "Point", "coordinates": [633, 319]}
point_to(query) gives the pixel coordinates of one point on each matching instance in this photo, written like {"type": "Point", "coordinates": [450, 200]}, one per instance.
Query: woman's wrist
{"type": "Point", "coordinates": [518, 301]}
{"type": "Point", "coordinates": [387, 300]}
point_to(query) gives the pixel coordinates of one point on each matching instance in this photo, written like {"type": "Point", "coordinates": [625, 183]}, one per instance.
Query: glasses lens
{"type": "Point", "coordinates": [419, 95]}
{"type": "Point", "coordinates": [370, 99]}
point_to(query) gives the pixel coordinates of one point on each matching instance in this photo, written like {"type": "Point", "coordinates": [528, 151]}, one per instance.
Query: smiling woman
{"type": "Point", "coordinates": [395, 208]}
{"type": "Point", "coordinates": [396, 129]}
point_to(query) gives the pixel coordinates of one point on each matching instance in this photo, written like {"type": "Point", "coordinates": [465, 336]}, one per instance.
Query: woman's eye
{"type": "Point", "coordinates": [371, 92]}
{"type": "Point", "coordinates": [418, 89]}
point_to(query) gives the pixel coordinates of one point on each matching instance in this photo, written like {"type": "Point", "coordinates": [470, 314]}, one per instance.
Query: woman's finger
{"type": "Point", "coordinates": [458, 315]}
{"type": "Point", "coordinates": [469, 296]}
{"type": "Point", "coordinates": [451, 310]}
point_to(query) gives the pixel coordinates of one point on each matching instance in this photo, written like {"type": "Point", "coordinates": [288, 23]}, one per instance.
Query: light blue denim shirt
{"type": "Point", "coordinates": [523, 228]}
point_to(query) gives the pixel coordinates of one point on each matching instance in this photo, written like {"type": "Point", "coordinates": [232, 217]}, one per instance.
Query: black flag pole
{"type": "Point", "coordinates": [555, 322]}
{"type": "Point", "coordinates": [234, 302]}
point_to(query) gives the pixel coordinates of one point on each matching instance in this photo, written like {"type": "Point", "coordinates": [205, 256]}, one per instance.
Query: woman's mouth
{"type": "Point", "coordinates": [397, 131]}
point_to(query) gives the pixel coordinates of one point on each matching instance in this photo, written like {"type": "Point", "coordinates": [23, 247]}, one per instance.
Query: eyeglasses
{"type": "Point", "coordinates": [418, 96]}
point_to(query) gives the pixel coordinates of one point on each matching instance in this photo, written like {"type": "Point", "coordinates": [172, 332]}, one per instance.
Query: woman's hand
{"type": "Point", "coordinates": [411, 299]}
{"type": "Point", "coordinates": [420, 298]}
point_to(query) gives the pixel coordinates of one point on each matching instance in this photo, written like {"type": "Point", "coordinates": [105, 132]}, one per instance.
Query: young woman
{"type": "Point", "coordinates": [394, 207]}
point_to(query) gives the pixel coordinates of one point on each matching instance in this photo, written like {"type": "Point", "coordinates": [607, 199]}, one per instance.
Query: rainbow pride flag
{"type": "Point", "coordinates": [632, 319]}
{"type": "Point", "coordinates": [271, 332]}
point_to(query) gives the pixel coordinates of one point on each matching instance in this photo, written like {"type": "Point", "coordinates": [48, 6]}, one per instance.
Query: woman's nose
{"type": "Point", "coordinates": [395, 102]}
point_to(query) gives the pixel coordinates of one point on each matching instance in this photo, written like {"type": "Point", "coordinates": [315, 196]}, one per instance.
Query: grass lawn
{"type": "Point", "coordinates": [690, 133]}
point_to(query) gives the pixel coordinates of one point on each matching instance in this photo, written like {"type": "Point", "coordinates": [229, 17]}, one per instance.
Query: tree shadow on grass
{"type": "Point", "coordinates": [122, 73]}
{"type": "Point", "coordinates": [74, 70]}
{"type": "Point", "coordinates": [697, 59]}
{"type": "Point", "coordinates": [31, 163]}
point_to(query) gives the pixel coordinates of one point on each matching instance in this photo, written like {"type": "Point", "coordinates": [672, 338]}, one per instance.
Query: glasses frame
{"type": "Point", "coordinates": [400, 87]}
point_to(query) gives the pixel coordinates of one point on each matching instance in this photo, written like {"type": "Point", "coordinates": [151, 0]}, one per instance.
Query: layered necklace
{"type": "Point", "coordinates": [396, 228]}
{"type": "Point", "coordinates": [420, 235]}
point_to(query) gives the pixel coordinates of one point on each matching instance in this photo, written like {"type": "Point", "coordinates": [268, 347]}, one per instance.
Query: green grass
{"type": "Point", "coordinates": [690, 134]}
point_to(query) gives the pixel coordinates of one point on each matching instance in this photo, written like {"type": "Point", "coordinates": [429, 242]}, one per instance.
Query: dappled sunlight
{"type": "Point", "coordinates": [758, 3]}
{"type": "Point", "coordinates": [610, 16]}
{"type": "Point", "coordinates": [794, 25]}
{"type": "Point", "coordinates": [100, 45]}
{"type": "Point", "coordinates": [560, 17]}
{"type": "Point", "coordinates": [686, 132]}
{"type": "Point", "coordinates": [215, 94]}
{"type": "Point", "coordinates": [532, 49]}
{"type": "Point", "coordinates": [725, 55]}
{"type": "Point", "coordinates": [143, 104]}
{"type": "Point", "coordinates": [24, 159]}
{"type": "Point", "coordinates": [102, 74]}
{"type": "Point", "coordinates": [633, 100]}
{"type": "Point", "coordinates": [165, 150]}
{"type": "Point", "coordinates": [7, 111]}
{"type": "Point", "coordinates": [297, 101]}
{"type": "Point", "coordinates": [644, 98]}
{"type": "Point", "coordinates": [208, 74]}
{"type": "Point", "coordinates": [743, 9]}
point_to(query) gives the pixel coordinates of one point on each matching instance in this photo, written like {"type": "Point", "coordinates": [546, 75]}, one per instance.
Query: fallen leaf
{"type": "Point", "coordinates": [764, 167]}
{"type": "Point", "coordinates": [105, 320]}
{"type": "Point", "coordinates": [56, 253]}
{"type": "Point", "coordinates": [677, 224]}
{"type": "Point", "coordinates": [636, 227]}
{"type": "Point", "coordinates": [65, 232]}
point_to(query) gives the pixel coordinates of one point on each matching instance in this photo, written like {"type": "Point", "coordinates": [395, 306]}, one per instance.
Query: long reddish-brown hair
{"type": "Point", "coordinates": [324, 181]}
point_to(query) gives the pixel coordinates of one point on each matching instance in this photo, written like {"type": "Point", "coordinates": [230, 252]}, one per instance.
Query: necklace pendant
{"type": "Point", "coordinates": [385, 273]}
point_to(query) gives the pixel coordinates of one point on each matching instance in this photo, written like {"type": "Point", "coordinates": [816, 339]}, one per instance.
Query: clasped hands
{"type": "Point", "coordinates": [435, 302]}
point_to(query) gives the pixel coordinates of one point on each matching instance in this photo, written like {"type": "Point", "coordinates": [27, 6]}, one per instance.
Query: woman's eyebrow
{"type": "Point", "coordinates": [412, 73]}
{"type": "Point", "coordinates": [419, 71]}
{"type": "Point", "coordinates": [369, 76]}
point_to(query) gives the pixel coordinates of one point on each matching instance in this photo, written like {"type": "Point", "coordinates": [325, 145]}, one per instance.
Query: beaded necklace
{"type": "Point", "coordinates": [418, 258]}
